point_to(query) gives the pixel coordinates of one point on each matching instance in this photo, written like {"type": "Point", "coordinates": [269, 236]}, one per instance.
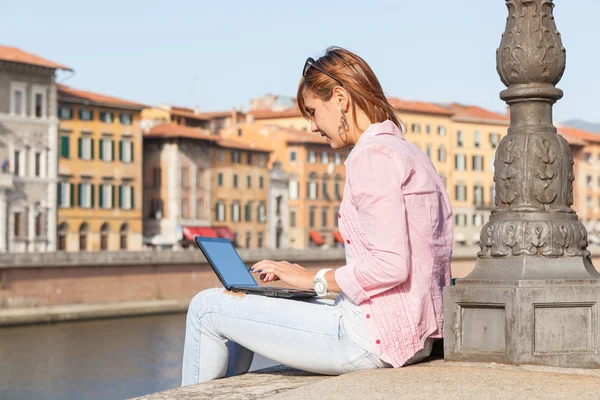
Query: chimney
{"type": "Point", "coordinates": [196, 109]}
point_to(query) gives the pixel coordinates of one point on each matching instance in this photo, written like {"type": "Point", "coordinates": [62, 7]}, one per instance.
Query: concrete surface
{"type": "Point", "coordinates": [430, 380]}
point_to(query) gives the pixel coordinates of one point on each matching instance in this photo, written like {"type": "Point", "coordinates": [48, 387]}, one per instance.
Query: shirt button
{"type": "Point", "coordinates": [339, 215]}
{"type": "Point", "coordinates": [378, 341]}
{"type": "Point", "coordinates": [368, 316]}
{"type": "Point", "coordinates": [348, 241]}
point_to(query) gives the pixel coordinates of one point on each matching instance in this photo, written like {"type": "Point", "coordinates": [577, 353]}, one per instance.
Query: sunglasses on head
{"type": "Point", "coordinates": [310, 62]}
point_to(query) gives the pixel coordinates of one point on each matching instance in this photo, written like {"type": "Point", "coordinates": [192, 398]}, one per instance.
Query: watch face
{"type": "Point", "coordinates": [319, 287]}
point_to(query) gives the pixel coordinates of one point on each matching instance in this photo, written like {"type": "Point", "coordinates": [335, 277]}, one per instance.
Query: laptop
{"type": "Point", "coordinates": [233, 273]}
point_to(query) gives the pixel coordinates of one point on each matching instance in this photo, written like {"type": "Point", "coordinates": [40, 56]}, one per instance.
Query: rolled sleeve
{"type": "Point", "coordinates": [375, 182]}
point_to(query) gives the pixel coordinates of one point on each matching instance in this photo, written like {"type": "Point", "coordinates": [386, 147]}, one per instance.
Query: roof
{"type": "Point", "coordinates": [578, 136]}
{"type": "Point", "coordinates": [418, 107]}
{"type": "Point", "coordinates": [294, 136]}
{"type": "Point", "coordinates": [475, 112]}
{"type": "Point", "coordinates": [66, 93]}
{"type": "Point", "coordinates": [165, 131]}
{"type": "Point", "coordinates": [12, 54]}
{"type": "Point", "coordinates": [236, 144]}
{"type": "Point", "coordinates": [191, 113]}
{"type": "Point", "coordinates": [269, 114]}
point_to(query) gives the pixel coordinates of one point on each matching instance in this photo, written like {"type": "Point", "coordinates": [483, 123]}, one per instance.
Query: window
{"type": "Point", "coordinates": [477, 219]}
{"type": "Point", "coordinates": [220, 211]}
{"type": "Point", "coordinates": [83, 231]}
{"type": "Point", "coordinates": [336, 189]}
{"type": "Point", "coordinates": [126, 151]}
{"type": "Point", "coordinates": [428, 150]}
{"type": "Point", "coordinates": [156, 208]}
{"type": "Point", "coordinates": [39, 105]}
{"type": "Point", "coordinates": [588, 157]}
{"type": "Point", "coordinates": [235, 157]}
{"type": "Point", "coordinates": [427, 129]}
{"type": "Point", "coordinates": [184, 178]}
{"type": "Point", "coordinates": [590, 203]}
{"type": "Point", "coordinates": [126, 200]}
{"type": "Point", "coordinates": [460, 220]}
{"type": "Point", "coordinates": [40, 230]}
{"type": "Point", "coordinates": [261, 160]}
{"type": "Point", "coordinates": [156, 177]}
{"type": "Point", "coordinates": [239, 132]}
{"type": "Point", "coordinates": [18, 102]}
{"type": "Point", "coordinates": [249, 159]}
{"type": "Point", "coordinates": [65, 113]}
{"type": "Point", "coordinates": [220, 179]}
{"type": "Point", "coordinates": [494, 139]}
{"type": "Point", "coordinates": [262, 213]}
{"type": "Point", "coordinates": [104, 236]}
{"type": "Point", "coordinates": [312, 156]}
{"type": "Point", "coordinates": [248, 239]}
{"type": "Point", "coordinates": [312, 189]}
{"type": "Point", "coordinates": [107, 117]}
{"type": "Point", "coordinates": [235, 212]}
{"type": "Point", "coordinates": [64, 146]}
{"type": "Point", "coordinates": [588, 181]}
{"type": "Point", "coordinates": [249, 181]}
{"type": "Point", "coordinates": [311, 217]}
{"type": "Point", "coordinates": [294, 189]}
{"type": "Point", "coordinates": [259, 240]}
{"type": "Point", "coordinates": [324, 157]}
{"type": "Point", "coordinates": [199, 173]}
{"type": "Point", "coordinates": [107, 149]}
{"type": "Point", "coordinates": [477, 139]}
{"type": "Point", "coordinates": [125, 119]}
{"type": "Point", "coordinates": [336, 220]}
{"type": "Point", "coordinates": [415, 128]}
{"type": "Point", "coordinates": [460, 192]}
{"type": "Point", "coordinates": [292, 156]}
{"type": "Point", "coordinates": [478, 195]}
{"type": "Point", "coordinates": [123, 233]}
{"type": "Point", "coordinates": [324, 217]}
{"type": "Point", "coordinates": [477, 163]}
{"type": "Point", "coordinates": [37, 168]}
{"type": "Point", "coordinates": [460, 162]}
{"type": "Point", "coordinates": [337, 158]}
{"type": "Point", "coordinates": [235, 181]}
{"type": "Point", "coordinates": [324, 190]}
{"type": "Point", "coordinates": [261, 182]}
{"type": "Point", "coordinates": [65, 194]}
{"type": "Point", "coordinates": [219, 155]}
{"type": "Point", "coordinates": [185, 209]}
{"type": "Point", "coordinates": [441, 130]}
{"type": "Point", "coordinates": [292, 219]}
{"type": "Point", "coordinates": [441, 154]}
{"type": "Point", "coordinates": [248, 212]}
{"type": "Point", "coordinates": [86, 114]}
{"type": "Point", "coordinates": [17, 169]}
{"type": "Point", "coordinates": [460, 138]}
{"type": "Point", "coordinates": [63, 229]}
{"type": "Point", "coordinates": [86, 148]}
{"type": "Point", "coordinates": [18, 225]}
{"type": "Point", "coordinates": [85, 195]}
{"type": "Point", "coordinates": [106, 196]}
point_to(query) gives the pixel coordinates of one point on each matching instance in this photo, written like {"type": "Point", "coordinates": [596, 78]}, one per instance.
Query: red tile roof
{"type": "Point", "coordinates": [475, 112]}
{"type": "Point", "coordinates": [418, 107]}
{"type": "Point", "coordinates": [574, 133]}
{"type": "Point", "coordinates": [66, 93]}
{"type": "Point", "coordinates": [236, 144]}
{"type": "Point", "coordinates": [268, 114]}
{"type": "Point", "coordinates": [13, 54]}
{"type": "Point", "coordinates": [165, 131]}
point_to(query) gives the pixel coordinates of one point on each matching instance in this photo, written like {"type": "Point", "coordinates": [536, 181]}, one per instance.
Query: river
{"type": "Point", "coordinates": [104, 359]}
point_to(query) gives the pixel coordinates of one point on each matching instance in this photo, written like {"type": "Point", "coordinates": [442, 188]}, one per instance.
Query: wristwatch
{"type": "Point", "coordinates": [320, 284]}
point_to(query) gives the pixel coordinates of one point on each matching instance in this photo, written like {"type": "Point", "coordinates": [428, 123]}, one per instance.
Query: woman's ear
{"type": "Point", "coordinates": [340, 96]}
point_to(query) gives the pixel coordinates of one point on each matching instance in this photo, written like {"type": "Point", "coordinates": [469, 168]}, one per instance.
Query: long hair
{"type": "Point", "coordinates": [358, 79]}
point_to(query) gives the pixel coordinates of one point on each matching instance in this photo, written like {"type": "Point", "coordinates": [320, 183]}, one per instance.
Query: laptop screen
{"type": "Point", "coordinates": [226, 260]}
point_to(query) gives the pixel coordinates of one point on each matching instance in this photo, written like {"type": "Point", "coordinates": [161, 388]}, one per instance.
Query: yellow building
{"type": "Point", "coordinates": [99, 172]}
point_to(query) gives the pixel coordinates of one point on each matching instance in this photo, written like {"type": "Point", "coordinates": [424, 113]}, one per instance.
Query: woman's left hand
{"type": "Point", "coordinates": [292, 274]}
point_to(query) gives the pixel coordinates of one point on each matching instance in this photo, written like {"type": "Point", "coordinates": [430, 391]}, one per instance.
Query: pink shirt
{"type": "Point", "coordinates": [396, 221]}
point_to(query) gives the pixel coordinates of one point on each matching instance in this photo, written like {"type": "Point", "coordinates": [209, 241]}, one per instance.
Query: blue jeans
{"type": "Point", "coordinates": [223, 332]}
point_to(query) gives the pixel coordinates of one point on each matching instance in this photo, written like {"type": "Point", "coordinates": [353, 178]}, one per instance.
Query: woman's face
{"type": "Point", "coordinates": [326, 119]}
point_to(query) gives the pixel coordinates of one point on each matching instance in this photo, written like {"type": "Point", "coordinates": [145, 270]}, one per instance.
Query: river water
{"type": "Point", "coordinates": [104, 359]}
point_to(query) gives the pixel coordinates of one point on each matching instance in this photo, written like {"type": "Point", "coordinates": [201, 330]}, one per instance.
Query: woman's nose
{"type": "Point", "coordinates": [313, 127]}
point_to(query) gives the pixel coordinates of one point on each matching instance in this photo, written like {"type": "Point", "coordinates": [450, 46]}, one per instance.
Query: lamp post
{"type": "Point", "coordinates": [533, 295]}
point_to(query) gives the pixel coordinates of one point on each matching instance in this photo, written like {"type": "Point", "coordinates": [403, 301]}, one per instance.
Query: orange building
{"type": "Point", "coordinates": [99, 172]}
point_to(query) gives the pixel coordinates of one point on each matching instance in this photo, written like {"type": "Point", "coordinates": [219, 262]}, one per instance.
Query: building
{"type": "Point", "coordinates": [211, 122]}
{"type": "Point", "coordinates": [28, 151]}
{"type": "Point", "coordinates": [99, 172]}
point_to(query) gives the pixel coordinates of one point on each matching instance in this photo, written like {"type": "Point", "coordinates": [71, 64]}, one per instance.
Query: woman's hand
{"type": "Point", "coordinates": [293, 274]}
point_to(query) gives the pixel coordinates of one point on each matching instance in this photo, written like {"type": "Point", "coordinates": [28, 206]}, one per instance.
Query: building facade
{"type": "Point", "coordinates": [99, 172]}
{"type": "Point", "coordinates": [28, 151]}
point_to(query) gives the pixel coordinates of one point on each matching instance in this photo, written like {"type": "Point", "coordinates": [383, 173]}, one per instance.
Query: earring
{"type": "Point", "coordinates": [344, 127]}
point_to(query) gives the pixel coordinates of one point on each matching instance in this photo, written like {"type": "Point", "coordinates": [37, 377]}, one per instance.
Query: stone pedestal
{"type": "Point", "coordinates": [533, 295]}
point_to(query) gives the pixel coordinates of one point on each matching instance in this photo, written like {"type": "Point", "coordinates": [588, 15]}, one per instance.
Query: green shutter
{"type": "Point", "coordinates": [131, 151]}
{"type": "Point", "coordinates": [92, 149]}
{"type": "Point", "coordinates": [132, 199]}
{"type": "Point", "coordinates": [112, 150]}
{"type": "Point", "coordinates": [120, 196]}
{"type": "Point", "coordinates": [120, 150]}
{"type": "Point", "coordinates": [79, 148]}
{"type": "Point", "coordinates": [58, 195]}
{"type": "Point", "coordinates": [64, 146]}
{"type": "Point", "coordinates": [92, 195]}
{"type": "Point", "coordinates": [79, 194]}
{"type": "Point", "coordinates": [101, 141]}
{"type": "Point", "coordinates": [114, 193]}
{"type": "Point", "coordinates": [101, 195]}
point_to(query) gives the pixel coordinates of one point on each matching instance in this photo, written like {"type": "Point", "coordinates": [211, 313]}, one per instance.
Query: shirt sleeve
{"type": "Point", "coordinates": [376, 188]}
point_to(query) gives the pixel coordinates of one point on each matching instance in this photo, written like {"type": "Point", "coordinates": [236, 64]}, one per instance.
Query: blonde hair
{"type": "Point", "coordinates": [358, 79]}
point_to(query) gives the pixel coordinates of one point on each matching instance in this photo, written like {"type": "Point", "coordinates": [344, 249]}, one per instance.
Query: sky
{"type": "Point", "coordinates": [220, 54]}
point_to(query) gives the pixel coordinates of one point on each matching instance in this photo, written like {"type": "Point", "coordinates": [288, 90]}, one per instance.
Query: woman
{"type": "Point", "coordinates": [396, 221]}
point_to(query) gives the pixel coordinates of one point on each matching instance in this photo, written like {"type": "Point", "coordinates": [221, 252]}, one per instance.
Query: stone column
{"type": "Point", "coordinates": [532, 297]}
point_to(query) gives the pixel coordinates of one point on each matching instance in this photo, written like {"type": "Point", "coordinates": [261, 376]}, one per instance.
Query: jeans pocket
{"type": "Point", "coordinates": [364, 361]}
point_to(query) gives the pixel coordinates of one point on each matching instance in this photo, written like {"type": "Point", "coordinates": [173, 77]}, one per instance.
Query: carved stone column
{"type": "Point", "coordinates": [533, 295]}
